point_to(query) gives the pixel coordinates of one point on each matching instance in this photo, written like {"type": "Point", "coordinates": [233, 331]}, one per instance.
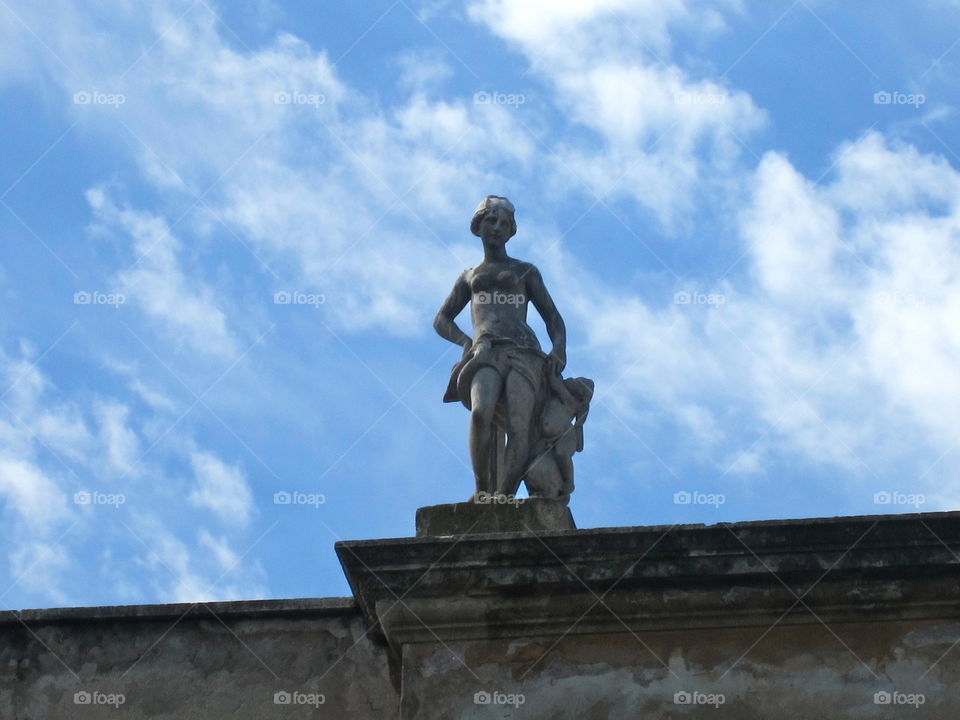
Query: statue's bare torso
{"type": "Point", "coordinates": [499, 300]}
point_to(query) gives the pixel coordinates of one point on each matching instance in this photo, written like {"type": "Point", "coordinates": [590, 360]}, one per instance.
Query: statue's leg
{"type": "Point", "coordinates": [485, 390]}
{"type": "Point", "coordinates": [520, 401]}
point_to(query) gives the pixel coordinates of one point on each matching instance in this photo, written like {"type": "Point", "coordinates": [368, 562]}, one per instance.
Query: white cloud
{"type": "Point", "coordinates": [153, 398]}
{"type": "Point", "coordinates": [137, 384]}
{"type": "Point", "coordinates": [184, 573]}
{"type": "Point", "coordinates": [793, 236]}
{"type": "Point", "coordinates": [840, 338]}
{"type": "Point", "coordinates": [185, 307]}
{"type": "Point", "coordinates": [36, 489]}
{"type": "Point", "coordinates": [220, 549]}
{"type": "Point", "coordinates": [221, 488]}
{"type": "Point", "coordinates": [660, 133]}
{"type": "Point", "coordinates": [563, 31]}
{"type": "Point", "coordinates": [424, 70]}
{"type": "Point", "coordinates": [119, 441]}
{"type": "Point", "coordinates": [39, 568]}
{"type": "Point", "coordinates": [32, 423]}
{"type": "Point", "coordinates": [174, 571]}
{"type": "Point", "coordinates": [328, 195]}
{"type": "Point", "coordinates": [36, 498]}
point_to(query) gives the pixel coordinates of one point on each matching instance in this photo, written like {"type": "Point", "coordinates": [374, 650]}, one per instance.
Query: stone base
{"type": "Point", "coordinates": [475, 517]}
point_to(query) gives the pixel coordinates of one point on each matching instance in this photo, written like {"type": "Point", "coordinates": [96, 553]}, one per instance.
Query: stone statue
{"type": "Point", "coordinates": [525, 420]}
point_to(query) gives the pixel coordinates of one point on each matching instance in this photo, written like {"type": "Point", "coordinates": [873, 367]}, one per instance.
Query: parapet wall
{"type": "Point", "coordinates": [194, 662]}
{"type": "Point", "coordinates": [826, 618]}
{"type": "Point", "coordinates": [807, 619]}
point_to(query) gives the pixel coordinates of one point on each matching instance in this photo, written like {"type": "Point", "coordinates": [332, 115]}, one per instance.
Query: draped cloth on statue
{"type": "Point", "coordinates": [503, 356]}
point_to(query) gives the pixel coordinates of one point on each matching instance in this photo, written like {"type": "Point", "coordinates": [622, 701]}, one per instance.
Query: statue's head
{"type": "Point", "coordinates": [492, 206]}
{"type": "Point", "coordinates": [581, 388]}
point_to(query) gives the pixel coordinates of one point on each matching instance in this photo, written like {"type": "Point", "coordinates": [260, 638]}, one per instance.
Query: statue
{"type": "Point", "coordinates": [526, 421]}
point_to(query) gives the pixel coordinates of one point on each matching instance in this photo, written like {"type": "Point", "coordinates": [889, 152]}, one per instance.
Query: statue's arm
{"type": "Point", "coordinates": [542, 301]}
{"type": "Point", "coordinates": [444, 323]}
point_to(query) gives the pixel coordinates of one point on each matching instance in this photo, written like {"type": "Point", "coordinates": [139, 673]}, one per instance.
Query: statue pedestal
{"type": "Point", "coordinates": [507, 516]}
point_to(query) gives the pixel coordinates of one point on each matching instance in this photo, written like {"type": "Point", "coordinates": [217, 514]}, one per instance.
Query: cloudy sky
{"type": "Point", "coordinates": [747, 211]}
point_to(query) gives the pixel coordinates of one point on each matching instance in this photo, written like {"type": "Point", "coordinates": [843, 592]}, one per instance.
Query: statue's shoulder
{"type": "Point", "coordinates": [527, 269]}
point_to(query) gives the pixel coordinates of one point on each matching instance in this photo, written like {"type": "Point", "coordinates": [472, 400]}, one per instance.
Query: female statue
{"type": "Point", "coordinates": [504, 378]}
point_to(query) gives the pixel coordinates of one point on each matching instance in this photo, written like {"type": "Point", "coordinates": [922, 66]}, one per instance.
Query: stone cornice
{"type": "Point", "coordinates": [656, 578]}
{"type": "Point", "coordinates": [239, 609]}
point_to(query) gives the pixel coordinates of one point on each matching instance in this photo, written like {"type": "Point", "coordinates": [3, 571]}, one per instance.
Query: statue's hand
{"type": "Point", "coordinates": [556, 361]}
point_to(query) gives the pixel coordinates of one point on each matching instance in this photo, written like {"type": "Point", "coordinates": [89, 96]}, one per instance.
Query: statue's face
{"type": "Point", "coordinates": [496, 226]}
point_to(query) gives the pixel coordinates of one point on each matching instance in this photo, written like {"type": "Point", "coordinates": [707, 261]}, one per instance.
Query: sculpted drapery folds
{"type": "Point", "coordinates": [525, 420]}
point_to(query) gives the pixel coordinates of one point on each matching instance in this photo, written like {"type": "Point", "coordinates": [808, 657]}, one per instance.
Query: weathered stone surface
{"type": "Point", "coordinates": [494, 515]}
{"type": "Point", "coordinates": [796, 672]}
{"type": "Point", "coordinates": [525, 584]}
{"type": "Point", "coordinates": [612, 623]}
{"type": "Point", "coordinates": [806, 619]}
{"type": "Point", "coordinates": [194, 662]}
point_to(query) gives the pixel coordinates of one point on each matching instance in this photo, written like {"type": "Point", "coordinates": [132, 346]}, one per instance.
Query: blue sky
{"type": "Point", "coordinates": [747, 213]}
